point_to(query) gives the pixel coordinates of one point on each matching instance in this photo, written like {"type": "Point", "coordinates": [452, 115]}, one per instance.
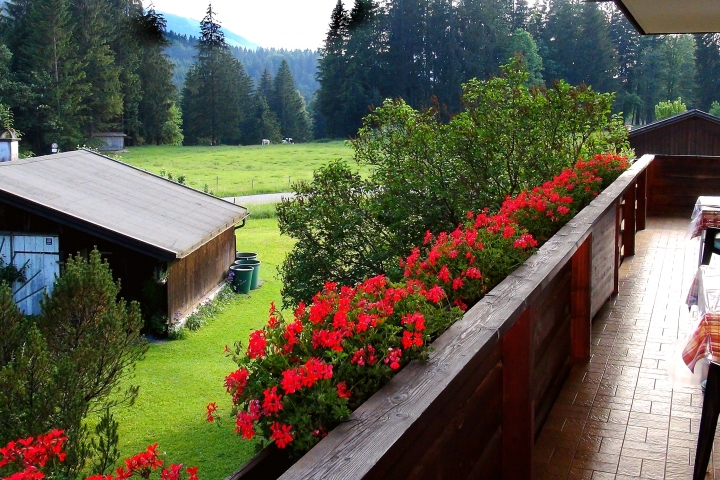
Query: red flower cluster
{"type": "Point", "coordinates": [143, 464]}
{"type": "Point", "coordinates": [376, 327]}
{"type": "Point", "coordinates": [544, 209]}
{"type": "Point", "coordinates": [460, 265]}
{"type": "Point", "coordinates": [299, 378]}
{"type": "Point", "coordinates": [33, 453]}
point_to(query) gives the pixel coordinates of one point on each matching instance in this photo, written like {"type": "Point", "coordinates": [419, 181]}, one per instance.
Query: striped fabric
{"type": "Point", "coordinates": [704, 341]}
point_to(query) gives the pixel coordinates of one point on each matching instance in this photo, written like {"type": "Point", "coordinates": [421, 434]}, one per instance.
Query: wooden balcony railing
{"type": "Point", "coordinates": [476, 407]}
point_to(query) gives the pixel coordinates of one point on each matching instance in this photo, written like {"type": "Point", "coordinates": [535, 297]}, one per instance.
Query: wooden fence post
{"type": "Point", "coordinates": [618, 245]}
{"type": "Point", "coordinates": [518, 424]}
{"type": "Point", "coordinates": [641, 200]}
{"type": "Point", "coordinates": [581, 323]}
{"type": "Point", "coordinates": [629, 219]}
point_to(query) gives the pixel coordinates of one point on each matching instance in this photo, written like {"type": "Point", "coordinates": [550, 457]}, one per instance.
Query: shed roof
{"type": "Point", "coordinates": [680, 117]}
{"type": "Point", "coordinates": [118, 202]}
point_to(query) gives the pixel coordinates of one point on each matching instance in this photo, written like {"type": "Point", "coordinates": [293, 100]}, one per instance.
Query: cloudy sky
{"type": "Point", "coordinates": [269, 23]}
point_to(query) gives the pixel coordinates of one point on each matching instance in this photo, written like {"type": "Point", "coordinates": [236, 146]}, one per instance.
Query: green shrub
{"type": "Point", "coordinates": [669, 108]}
{"type": "Point", "coordinates": [426, 174]}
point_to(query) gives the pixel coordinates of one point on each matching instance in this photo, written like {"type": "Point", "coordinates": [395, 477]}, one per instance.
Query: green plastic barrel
{"type": "Point", "coordinates": [256, 270]}
{"type": "Point", "coordinates": [246, 256]}
{"type": "Point", "coordinates": [242, 281]}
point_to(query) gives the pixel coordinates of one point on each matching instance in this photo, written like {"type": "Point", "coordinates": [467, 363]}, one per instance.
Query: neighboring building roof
{"type": "Point", "coordinates": [118, 202]}
{"type": "Point", "coordinates": [672, 16]}
{"type": "Point", "coordinates": [680, 117]}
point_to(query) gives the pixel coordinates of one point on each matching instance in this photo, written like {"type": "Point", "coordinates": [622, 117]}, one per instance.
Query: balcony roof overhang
{"type": "Point", "coordinates": [672, 16]}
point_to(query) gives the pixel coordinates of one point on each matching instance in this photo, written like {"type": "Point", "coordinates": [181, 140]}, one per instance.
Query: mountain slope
{"type": "Point", "coordinates": [191, 28]}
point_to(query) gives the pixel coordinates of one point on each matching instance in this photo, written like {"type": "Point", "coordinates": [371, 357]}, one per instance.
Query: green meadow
{"type": "Point", "coordinates": [233, 171]}
{"type": "Point", "coordinates": [179, 378]}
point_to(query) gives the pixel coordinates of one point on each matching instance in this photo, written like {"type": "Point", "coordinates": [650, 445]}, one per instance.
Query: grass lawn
{"type": "Point", "coordinates": [233, 171]}
{"type": "Point", "coordinates": [178, 379]}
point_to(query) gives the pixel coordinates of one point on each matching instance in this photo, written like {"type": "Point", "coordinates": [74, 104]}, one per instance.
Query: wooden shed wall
{"type": "Point", "coordinates": [693, 136]}
{"type": "Point", "coordinates": [193, 277]}
{"type": "Point", "coordinates": [677, 182]}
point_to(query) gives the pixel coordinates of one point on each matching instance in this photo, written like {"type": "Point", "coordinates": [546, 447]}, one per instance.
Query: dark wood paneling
{"type": "Point", "coordinates": [193, 277]}
{"type": "Point", "coordinates": [580, 302]}
{"type": "Point", "coordinates": [518, 403]}
{"type": "Point", "coordinates": [603, 262]}
{"type": "Point", "coordinates": [694, 136]}
{"type": "Point", "coordinates": [674, 183]}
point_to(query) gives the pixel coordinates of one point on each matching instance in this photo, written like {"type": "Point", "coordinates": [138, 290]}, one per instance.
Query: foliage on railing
{"type": "Point", "coordinates": [299, 378]}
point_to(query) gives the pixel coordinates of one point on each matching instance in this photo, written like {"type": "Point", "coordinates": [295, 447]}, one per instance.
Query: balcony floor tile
{"type": "Point", "coordinates": [619, 415]}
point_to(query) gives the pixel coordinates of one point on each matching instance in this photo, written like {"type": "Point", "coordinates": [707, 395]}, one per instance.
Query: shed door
{"type": "Point", "coordinates": [40, 255]}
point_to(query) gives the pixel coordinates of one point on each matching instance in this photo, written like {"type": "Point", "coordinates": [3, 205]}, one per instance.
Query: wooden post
{"type": "Point", "coordinates": [629, 219]}
{"type": "Point", "coordinates": [581, 323]}
{"type": "Point", "coordinates": [518, 425]}
{"type": "Point", "coordinates": [616, 272]}
{"type": "Point", "coordinates": [641, 200]}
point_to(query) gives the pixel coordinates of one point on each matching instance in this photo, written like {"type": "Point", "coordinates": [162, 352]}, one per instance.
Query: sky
{"type": "Point", "coordinates": [287, 24]}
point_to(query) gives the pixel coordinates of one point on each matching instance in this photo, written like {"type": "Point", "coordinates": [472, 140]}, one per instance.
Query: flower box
{"type": "Point", "coordinates": [476, 406]}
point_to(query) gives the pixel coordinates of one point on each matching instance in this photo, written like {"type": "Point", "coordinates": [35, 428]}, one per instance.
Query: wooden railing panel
{"type": "Point", "coordinates": [580, 328]}
{"type": "Point", "coordinates": [676, 182]}
{"type": "Point", "coordinates": [604, 259]}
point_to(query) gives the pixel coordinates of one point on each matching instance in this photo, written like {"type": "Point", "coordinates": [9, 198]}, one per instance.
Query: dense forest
{"type": "Point", "coordinates": [422, 50]}
{"type": "Point", "coordinates": [68, 69]}
{"type": "Point", "coordinates": [302, 63]}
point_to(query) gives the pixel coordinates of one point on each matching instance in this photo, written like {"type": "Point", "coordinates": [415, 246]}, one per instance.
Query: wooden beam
{"type": "Point", "coordinates": [518, 409]}
{"type": "Point", "coordinates": [581, 323]}
{"type": "Point", "coordinates": [641, 200]}
{"type": "Point", "coordinates": [629, 221]}
{"type": "Point", "coordinates": [616, 269]}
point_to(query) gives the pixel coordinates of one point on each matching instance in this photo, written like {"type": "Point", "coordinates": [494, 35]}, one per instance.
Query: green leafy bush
{"type": "Point", "coordinates": [427, 174]}
{"type": "Point", "coordinates": [68, 362]}
{"type": "Point", "coordinates": [669, 108]}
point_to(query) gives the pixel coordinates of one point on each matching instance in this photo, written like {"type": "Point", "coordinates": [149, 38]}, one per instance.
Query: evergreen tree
{"type": "Point", "coordinates": [288, 105]}
{"type": "Point", "coordinates": [94, 30]}
{"type": "Point", "coordinates": [217, 89]}
{"type": "Point", "coordinates": [129, 50]}
{"type": "Point", "coordinates": [677, 67]}
{"type": "Point", "coordinates": [444, 55]}
{"type": "Point", "coordinates": [522, 43]}
{"type": "Point", "coordinates": [155, 73]}
{"type": "Point", "coordinates": [708, 70]}
{"type": "Point", "coordinates": [407, 50]}
{"type": "Point", "coordinates": [47, 61]}
{"type": "Point", "coordinates": [265, 86]}
{"type": "Point", "coordinates": [262, 122]}
{"type": "Point", "coordinates": [331, 71]}
{"type": "Point", "coordinates": [484, 33]}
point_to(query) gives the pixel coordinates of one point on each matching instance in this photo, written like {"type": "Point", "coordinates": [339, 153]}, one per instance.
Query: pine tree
{"type": "Point", "coordinates": [48, 61]}
{"type": "Point", "coordinates": [522, 43]}
{"type": "Point", "coordinates": [444, 54]}
{"type": "Point", "coordinates": [265, 86]}
{"type": "Point", "coordinates": [288, 105]}
{"type": "Point", "coordinates": [484, 33]}
{"type": "Point", "coordinates": [217, 89]}
{"type": "Point", "coordinates": [331, 71]}
{"type": "Point", "coordinates": [407, 50]}
{"type": "Point", "coordinates": [155, 73]}
{"type": "Point", "coordinates": [94, 30]}
{"type": "Point", "coordinates": [708, 70]}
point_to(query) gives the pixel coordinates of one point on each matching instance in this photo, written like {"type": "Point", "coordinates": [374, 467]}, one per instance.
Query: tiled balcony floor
{"type": "Point", "coordinates": [619, 416]}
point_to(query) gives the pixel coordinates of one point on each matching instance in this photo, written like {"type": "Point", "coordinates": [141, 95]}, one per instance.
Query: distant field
{"type": "Point", "coordinates": [232, 171]}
